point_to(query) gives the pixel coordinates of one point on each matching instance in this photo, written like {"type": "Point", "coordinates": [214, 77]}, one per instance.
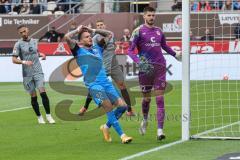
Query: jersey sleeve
{"type": "Point", "coordinates": [16, 49]}
{"type": "Point", "coordinates": [75, 50]}
{"type": "Point", "coordinates": [166, 47]}
{"type": "Point", "coordinates": [96, 39]}
{"type": "Point", "coordinates": [133, 44]}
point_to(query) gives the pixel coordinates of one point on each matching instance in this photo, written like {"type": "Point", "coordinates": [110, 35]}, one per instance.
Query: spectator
{"type": "Point", "coordinates": [73, 27]}
{"type": "Point", "coordinates": [208, 36]}
{"type": "Point", "coordinates": [126, 35]}
{"type": "Point", "coordinates": [76, 5]}
{"type": "Point", "coordinates": [7, 6]}
{"type": "Point", "coordinates": [236, 5]}
{"type": "Point", "coordinates": [25, 9]}
{"type": "Point", "coordinates": [35, 8]}
{"type": "Point", "coordinates": [123, 6]}
{"type": "Point", "coordinates": [228, 5]}
{"type": "Point", "coordinates": [194, 6]}
{"type": "Point", "coordinates": [204, 6]}
{"type": "Point", "coordinates": [216, 4]}
{"type": "Point", "coordinates": [177, 6]}
{"type": "Point", "coordinates": [237, 31]}
{"type": "Point", "coordinates": [2, 7]}
{"type": "Point", "coordinates": [59, 8]}
{"type": "Point", "coordinates": [192, 37]}
{"type": "Point", "coordinates": [43, 4]}
{"type": "Point", "coordinates": [71, 4]}
{"type": "Point", "coordinates": [16, 5]}
{"type": "Point", "coordinates": [52, 36]}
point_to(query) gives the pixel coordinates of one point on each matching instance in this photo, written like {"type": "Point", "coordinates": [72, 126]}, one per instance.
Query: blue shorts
{"type": "Point", "coordinates": [101, 92]}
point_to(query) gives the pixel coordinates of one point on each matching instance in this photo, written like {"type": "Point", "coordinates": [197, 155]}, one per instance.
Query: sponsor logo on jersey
{"type": "Point", "coordinates": [153, 43]}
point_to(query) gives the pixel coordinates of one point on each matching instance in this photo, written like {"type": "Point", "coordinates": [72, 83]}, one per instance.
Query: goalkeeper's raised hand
{"type": "Point", "coordinates": [178, 56]}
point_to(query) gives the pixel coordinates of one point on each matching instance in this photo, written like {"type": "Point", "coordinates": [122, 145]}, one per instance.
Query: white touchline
{"type": "Point", "coordinates": [235, 157]}
{"type": "Point", "coordinates": [152, 150]}
{"type": "Point", "coordinates": [15, 109]}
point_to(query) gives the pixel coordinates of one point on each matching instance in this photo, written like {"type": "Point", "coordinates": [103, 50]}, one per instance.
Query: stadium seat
{"type": "Point", "coordinates": [13, 13]}
{"type": "Point", "coordinates": [51, 6]}
{"type": "Point", "coordinates": [59, 13]}
{"type": "Point", "coordinates": [47, 13]}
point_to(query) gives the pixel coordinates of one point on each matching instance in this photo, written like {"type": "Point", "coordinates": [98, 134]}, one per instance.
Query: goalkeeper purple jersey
{"type": "Point", "coordinates": [149, 42]}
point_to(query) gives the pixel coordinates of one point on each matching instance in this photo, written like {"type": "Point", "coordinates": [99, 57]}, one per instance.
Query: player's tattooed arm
{"type": "Point", "coordinates": [106, 34]}
{"type": "Point", "coordinates": [103, 32]}
{"type": "Point", "coordinates": [68, 37]}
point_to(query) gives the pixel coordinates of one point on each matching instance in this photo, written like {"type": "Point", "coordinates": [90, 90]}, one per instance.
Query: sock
{"type": "Point", "coordinates": [126, 98]}
{"type": "Point", "coordinates": [145, 108]}
{"type": "Point", "coordinates": [88, 101]}
{"type": "Point", "coordinates": [159, 131]}
{"type": "Point", "coordinates": [118, 112]}
{"type": "Point", "coordinates": [122, 135]}
{"type": "Point", "coordinates": [160, 111]}
{"type": "Point", "coordinates": [45, 102]}
{"type": "Point", "coordinates": [35, 106]}
{"type": "Point", "coordinates": [105, 126]}
{"type": "Point", "coordinates": [114, 122]}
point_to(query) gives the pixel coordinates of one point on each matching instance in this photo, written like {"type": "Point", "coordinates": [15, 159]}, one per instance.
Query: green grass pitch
{"type": "Point", "coordinates": [21, 138]}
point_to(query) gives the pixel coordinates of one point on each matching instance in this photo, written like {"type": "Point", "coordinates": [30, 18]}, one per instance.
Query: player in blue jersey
{"type": "Point", "coordinates": [90, 60]}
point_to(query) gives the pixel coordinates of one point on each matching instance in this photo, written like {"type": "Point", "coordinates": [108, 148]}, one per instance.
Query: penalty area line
{"type": "Point", "coordinates": [153, 150]}
{"type": "Point", "coordinates": [15, 109]}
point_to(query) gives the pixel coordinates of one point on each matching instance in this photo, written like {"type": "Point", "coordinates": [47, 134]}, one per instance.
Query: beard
{"type": "Point", "coordinates": [150, 22]}
{"type": "Point", "coordinates": [25, 38]}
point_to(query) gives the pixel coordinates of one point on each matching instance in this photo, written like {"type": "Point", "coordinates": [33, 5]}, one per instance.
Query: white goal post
{"type": "Point", "coordinates": [210, 80]}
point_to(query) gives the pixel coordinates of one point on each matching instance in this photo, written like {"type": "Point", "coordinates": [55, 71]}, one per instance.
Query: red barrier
{"type": "Point", "coordinates": [122, 47]}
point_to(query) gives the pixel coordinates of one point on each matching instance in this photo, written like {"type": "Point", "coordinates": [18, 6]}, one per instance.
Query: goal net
{"type": "Point", "coordinates": [214, 72]}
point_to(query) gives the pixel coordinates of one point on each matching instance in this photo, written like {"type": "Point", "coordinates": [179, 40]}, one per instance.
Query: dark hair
{"type": "Point", "coordinates": [80, 33]}
{"type": "Point", "coordinates": [149, 9]}
{"type": "Point", "coordinates": [100, 20]}
{"type": "Point", "coordinates": [21, 26]}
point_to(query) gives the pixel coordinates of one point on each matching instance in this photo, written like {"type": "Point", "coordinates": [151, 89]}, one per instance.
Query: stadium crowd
{"type": "Point", "coordinates": [213, 5]}
{"type": "Point", "coordinates": [39, 6]}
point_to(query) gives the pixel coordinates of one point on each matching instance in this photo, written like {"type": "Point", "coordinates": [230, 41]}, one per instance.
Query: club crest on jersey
{"type": "Point", "coordinates": [158, 33]}
{"type": "Point", "coordinates": [95, 51]}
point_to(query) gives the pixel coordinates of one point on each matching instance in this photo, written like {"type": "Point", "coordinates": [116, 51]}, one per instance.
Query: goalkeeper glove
{"type": "Point", "coordinates": [178, 56]}
{"type": "Point", "coordinates": [145, 66]}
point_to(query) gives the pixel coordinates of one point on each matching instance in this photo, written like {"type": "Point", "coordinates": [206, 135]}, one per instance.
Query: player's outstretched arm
{"type": "Point", "coordinates": [68, 37]}
{"type": "Point", "coordinates": [169, 50]}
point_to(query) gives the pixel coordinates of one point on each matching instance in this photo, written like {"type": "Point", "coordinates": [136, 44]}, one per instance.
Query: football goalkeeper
{"type": "Point", "coordinates": [149, 41]}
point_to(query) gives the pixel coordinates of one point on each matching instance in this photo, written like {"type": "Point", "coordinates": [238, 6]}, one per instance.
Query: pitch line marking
{"type": "Point", "coordinates": [152, 150]}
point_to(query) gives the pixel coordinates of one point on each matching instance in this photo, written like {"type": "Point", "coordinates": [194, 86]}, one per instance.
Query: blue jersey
{"type": "Point", "coordinates": [91, 63]}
